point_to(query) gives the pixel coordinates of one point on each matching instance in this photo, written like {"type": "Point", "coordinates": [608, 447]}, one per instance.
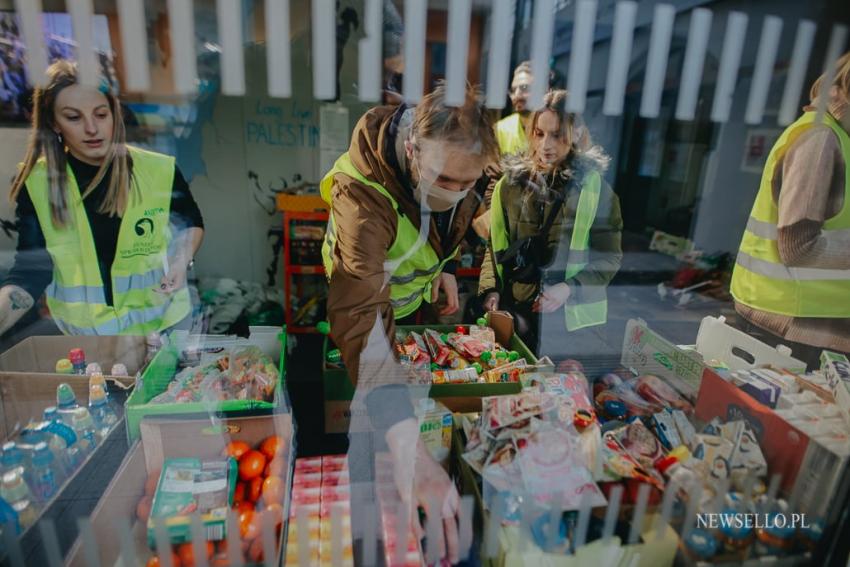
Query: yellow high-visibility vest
{"type": "Point", "coordinates": [414, 265]}
{"type": "Point", "coordinates": [75, 296]}
{"type": "Point", "coordinates": [760, 279]}
{"type": "Point", "coordinates": [511, 135]}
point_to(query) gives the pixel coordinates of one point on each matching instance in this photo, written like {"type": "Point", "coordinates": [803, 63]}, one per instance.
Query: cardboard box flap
{"type": "Point", "coordinates": [39, 354]}
{"type": "Point", "coordinates": [647, 352]}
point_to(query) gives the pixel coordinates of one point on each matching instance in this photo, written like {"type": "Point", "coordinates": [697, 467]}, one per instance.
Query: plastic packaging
{"type": "Point", "coordinates": [101, 412]}
{"type": "Point", "coordinates": [654, 389]}
{"type": "Point", "coordinates": [84, 427]}
{"type": "Point", "coordinates": [66, 402]}
{"type": "Point", "coordinates": [44, 481]}
{"type": "Point", "coordinates": [16, 492]}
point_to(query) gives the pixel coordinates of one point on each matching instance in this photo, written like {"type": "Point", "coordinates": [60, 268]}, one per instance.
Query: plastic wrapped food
{"type": "Point", "coordinates": [506, 373]}
{"type": "Point", "coordinates": [467, 346]}
{"type": "Point", "coordinates": [657, 391]}
{"type": "Point", "coordinates": [243, 374]}
{"type": "Point", "coordinates": [413, 351]}
{"type": "Point", "coordinates": [606, 382]}
{"type": "Point", "coordinates": [635, 405]}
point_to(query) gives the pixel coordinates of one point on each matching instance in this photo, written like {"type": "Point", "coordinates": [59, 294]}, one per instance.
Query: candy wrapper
{"type": "Point", "coordinates": [506, 373]}
{"type": "Point", "coordinates": [606, 382]}
{"type": "Point", "coordinates": [657, 391]}
{"type": "Point", "coordinates": [666, 430]}
{"type": "Point", "coordinates": [483, 333]}
{"type": "Point", "coordinates": [618, 464]}
{"type": "Point", "coordinates": [571, 390]}
{"type": "Point", "coordinates": [502, 411]}
{"type": "Point", "coordinates": [501, 469]}
{"type": "Point", "coordinates": [468, 346]}
{"type": "Point", "coordinates": [553, 470]}
{"type": "Point", "coordinates": [413, 351]}
{"type": "Point", "coordinates": [641, 443]}
{"type": "Point", "coordinates": [439, 350]}
{"type": "Point", "coordinates": [461, 376]}
{"type": "Point", "coordinates": [685, 429]}
{"type": "Point", "coordinates": [635, 405]}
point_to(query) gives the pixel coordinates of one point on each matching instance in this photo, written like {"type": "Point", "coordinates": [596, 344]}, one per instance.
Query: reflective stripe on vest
{"type": "Point", "coordinates": [413, 264]}
{"type": "Point", "coordinates": [760, 279]}
{"type": "Point", "coordinates": [76, 297]}
{"type": "Point", "coordinates": [586, 307]}
{"type": "Point", "coordinates": [510, 135]}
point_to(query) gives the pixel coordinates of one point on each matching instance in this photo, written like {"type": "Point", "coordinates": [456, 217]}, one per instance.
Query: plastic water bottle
{"type": "Point", "coordinates": [60, 437]}
{"type": "Point", "coordinates": [84, 427]}
{"type": "Point", "coordinates": [66, 402]}
{"type": "Point", "coordinates": [16, 492]}
{"type": "Point", "coordinates": [101, 412]}
{"type": "Point", "coordinates": [97, 379]}
{"type": "Point", "coordinates": [77, 356]}
{"type": "Point", "coordinates": [12, 457]}
{"type": "Point", "coordinates": [8, 519]}
{"type": "Point", "coordinates": [44, 482]}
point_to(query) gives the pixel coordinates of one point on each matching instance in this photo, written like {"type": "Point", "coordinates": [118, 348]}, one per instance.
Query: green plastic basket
{"type": "Point", "coordinates": [161, 371]}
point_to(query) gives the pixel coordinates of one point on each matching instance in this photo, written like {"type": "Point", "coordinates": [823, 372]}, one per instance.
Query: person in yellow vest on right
{"type": "Point", "coordinates": [791, 281]}
{"type": "Point", "coordinates": [107, 231]}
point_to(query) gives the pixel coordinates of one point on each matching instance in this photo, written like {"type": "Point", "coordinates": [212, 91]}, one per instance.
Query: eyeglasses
{"type": "Point", "coordinates": [524, 88]}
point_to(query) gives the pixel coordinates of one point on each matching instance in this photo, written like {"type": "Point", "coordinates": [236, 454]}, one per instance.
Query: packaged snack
{"type": "Point", "coordinates": [437, 347]}
{"type": "Point", "coordinates": [413, 351]}
{"type": "Point", "coordinates": [606, 382]}
{"type": "Point", "coordinates": [665, 429]}
{"type": "Point", "coordinates": [618, 464]}
{"type": "Point", "coordinates": [640, 443]}
{"type": "Point", "coordinates": [501, 411]}
{"type": "Point", "coordinates": [635, 405]}
{"type": "Point", "coordinates": [506, 373]}
{"type": "Point", "coordinates": [836, 369]}
{"type": "Point", "coordinates": [190, 486]}
{"type": "Point", "coordinates": [468, 346]}
{"type": "Point", "coordinates": [657, 391]}
{"type": "Point", "coordinates": [482, 332]}
{"type": "Point", "coordinates": [461, 376]}
{"type": "Point", "coordinates": [684, 427]}
{"type": "Point", "coordinates": [746, 457]}
{"type": "Point", "coordinates": [713, 454]}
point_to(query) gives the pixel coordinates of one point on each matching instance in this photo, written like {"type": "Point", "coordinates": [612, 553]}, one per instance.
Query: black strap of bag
{"type": "Point", "coordinates": [523, 260]}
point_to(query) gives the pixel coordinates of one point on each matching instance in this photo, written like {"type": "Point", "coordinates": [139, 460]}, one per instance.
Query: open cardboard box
{"type": "Point", "coordinates": [28, 379]}
{"type": "Point", "coordinates": [163, 438]}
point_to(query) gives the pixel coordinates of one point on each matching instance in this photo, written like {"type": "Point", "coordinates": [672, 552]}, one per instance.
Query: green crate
{"type": "Point", "coordinates": [161, 371]}
{"type": "Point", "coordinates": [338, 389]}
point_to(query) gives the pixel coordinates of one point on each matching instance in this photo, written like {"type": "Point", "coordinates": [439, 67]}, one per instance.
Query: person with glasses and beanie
{"type": "Point", "coordinates": [791, 281]}
{"type": "Point", "coordinates": [555, 235]}
{"type": "Point", "coordinates": [106, 230]}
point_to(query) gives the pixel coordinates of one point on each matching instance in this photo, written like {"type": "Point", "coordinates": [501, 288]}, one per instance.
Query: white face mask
{"type": "Point", "coordinates": [437, 198]}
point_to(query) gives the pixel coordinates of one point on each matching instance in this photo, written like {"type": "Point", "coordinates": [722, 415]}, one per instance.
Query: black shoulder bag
{"type": "Point", "coordinates": [523, 260]}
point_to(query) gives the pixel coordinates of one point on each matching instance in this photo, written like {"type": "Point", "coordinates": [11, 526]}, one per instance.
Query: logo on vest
{"type": "Point", "coordinates": [144, 227]}
{"type": "Point", "coordinates": [145, 244]}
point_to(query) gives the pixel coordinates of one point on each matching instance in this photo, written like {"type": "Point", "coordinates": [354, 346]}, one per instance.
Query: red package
{"type": "Point", "coordinates": [439, 350]}
{"type": "Point", "coordinates": [467, 346]}
{"type": "Point", "coordinates": [657, 391]}
{"type": "Point", "coordinates": [306, 480]}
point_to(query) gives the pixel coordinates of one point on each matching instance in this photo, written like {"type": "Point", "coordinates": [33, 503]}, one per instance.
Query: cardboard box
{"type": "Point", "coordinates": [28, 381]}
{"type": "Point", "coordinates": [339, 391]}
{"type": "Point", "coordinates": [171, 437]}
{"type": "Point", "coordinates": [810, 472]}
{"type": "Point", "coordinates": [836, 369]}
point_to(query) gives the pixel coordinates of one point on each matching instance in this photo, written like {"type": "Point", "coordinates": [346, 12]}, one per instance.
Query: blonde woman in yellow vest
{"type": "Point", "coordinates": [792, 275]}
{"type": "Point", "coordinates": [106, 230]}
{"type": "Point", "coordinates": [555, 233]}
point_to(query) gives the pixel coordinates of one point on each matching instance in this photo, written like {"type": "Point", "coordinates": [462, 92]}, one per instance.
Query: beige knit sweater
{"type": "Point", "coordinates": [809, 187]}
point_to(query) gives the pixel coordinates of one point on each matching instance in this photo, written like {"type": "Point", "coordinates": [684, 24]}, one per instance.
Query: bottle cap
{"type": "Point", "coordinates": [119, 369]}
{"type": "Point", "coordinates": [334, 356]}
{"type": "Point", "coordinates": [486, 356]}
{"type": "Point", "coordinates": [64, 366]}
{"type": "Point", "coordinates": [501, 355]}
{"type": "Point", "coordinates": [478, 368]}
{"type": "Point", "coordinates": [444, 337]}
{"type": "Point", "coordinates": [614, 409]}
{"type": "Point", "coordinates": [93, 368]}
{"type": "Point", "coordinates": [77, 356]}
{"type": "Point", "coordinates": [65, 395]}
{"type": "Point", "coordinates": [701, 543]}
{"type": "Point", "coordinates": [513, 356]}
{"type": "Point", "coordinates": [460, 329]}
{"type": "Point", "coordinates": [481, 322]}
{"type": "Point", "coordinates": [323, 327]}
{"type": "Point", "coordinates": [583, 418]}
{"type": "Point", "coordinates": [97, 395]}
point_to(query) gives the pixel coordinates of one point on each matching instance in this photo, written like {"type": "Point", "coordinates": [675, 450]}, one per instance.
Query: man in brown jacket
{"type": "Point", "coordinates": [402, 199]}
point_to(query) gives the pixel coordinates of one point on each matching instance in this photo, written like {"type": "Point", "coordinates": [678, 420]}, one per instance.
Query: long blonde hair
{"type": "Point", "coordinates": [836, 102]}
{"type": "Point", "coordinates": [44, 142]}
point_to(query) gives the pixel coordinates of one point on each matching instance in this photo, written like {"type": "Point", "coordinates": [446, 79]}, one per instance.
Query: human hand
{"type": "Point", "coordinates": [448, 283]}
{"type": "Point", "coordinates": [174, 280]}
{"type": "Point", "coordinates": [423, 483]}
{"type": "Point", "coordinates": [491, 301]}
{"type": "Point", "coordinates": [551, 298]}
